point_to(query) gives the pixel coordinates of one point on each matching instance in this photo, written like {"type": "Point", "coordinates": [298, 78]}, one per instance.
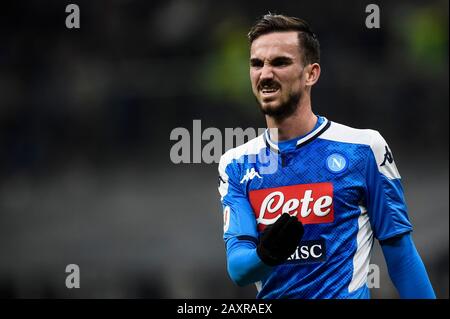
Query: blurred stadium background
{"type": "Point", "coordinates": [85, 119]}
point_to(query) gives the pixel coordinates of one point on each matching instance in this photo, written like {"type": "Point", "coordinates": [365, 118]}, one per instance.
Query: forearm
{"type": "Point", "coordinates": [243, 263]}
{"type": "Point", "coordinates": [406, 268]}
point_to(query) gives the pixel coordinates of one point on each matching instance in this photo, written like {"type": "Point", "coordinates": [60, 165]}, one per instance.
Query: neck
{"type": "Point", "coordinates": [299, 123]}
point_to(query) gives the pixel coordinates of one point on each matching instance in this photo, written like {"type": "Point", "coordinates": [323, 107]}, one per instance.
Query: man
{"type": "Point", "coordinates": [306, 228]}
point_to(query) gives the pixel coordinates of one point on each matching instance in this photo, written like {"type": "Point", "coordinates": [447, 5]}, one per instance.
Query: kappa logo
{"type": "Point", "coordinates": [387, 157]}
{"type": "Point", "coordinates": [250, 174]}
{"type": "Point", "coordinates": [221, 180]}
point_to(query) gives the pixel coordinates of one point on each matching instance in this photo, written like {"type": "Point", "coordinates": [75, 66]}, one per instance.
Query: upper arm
{"type": "Point", "coordinates": [384, 192]}
{"type": "Point", "coordinates": [239, 219]}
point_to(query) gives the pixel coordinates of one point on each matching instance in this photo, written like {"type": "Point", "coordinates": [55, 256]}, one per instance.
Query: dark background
{"type": "Point", "coordinates": [86, 115]}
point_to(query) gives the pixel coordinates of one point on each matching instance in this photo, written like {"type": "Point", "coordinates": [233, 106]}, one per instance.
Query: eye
{"type": "Point", "coordinates": [280, 62]}
{"type": "Point", "coordinates": [256, 63]}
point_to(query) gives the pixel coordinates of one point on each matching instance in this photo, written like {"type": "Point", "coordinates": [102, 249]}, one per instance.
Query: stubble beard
{"type": "Point", "coordinates": [283, 110]}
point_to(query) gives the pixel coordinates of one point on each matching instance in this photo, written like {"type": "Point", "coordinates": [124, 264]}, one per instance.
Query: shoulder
{"type": "Point", "coordinates": [382, 154]}
{"type": "Point", "coordinates": [237, 154]}
{"type": "Point", "coordinates": [346, 134]}
{"type": "Point", "coordinates": [230, 160]}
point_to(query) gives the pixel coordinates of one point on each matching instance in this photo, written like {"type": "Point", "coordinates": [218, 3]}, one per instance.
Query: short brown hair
{"type": "Point", "coordinates": [279, 23]}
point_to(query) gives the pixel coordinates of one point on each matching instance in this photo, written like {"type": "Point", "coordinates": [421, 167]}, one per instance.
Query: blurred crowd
{"type": "Point", "coordinates": [86, 114]}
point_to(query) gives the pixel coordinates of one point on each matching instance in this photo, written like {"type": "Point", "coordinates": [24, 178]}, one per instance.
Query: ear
{"type": "Point", "coordinates": [312, 74]}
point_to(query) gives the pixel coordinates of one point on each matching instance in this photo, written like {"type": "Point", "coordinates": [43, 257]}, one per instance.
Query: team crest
{"type": "Point", "coordinates": [336, 163]}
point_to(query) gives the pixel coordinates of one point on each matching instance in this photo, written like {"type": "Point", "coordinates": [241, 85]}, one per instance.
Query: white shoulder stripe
{"type": "Point", "coordinates": [342, 133]}
{"type": "Point", "coordinates": [252, 147]}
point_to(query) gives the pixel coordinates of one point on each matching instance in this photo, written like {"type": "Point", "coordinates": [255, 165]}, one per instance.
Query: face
{"type": "Point", "coordinates": [276, 72]}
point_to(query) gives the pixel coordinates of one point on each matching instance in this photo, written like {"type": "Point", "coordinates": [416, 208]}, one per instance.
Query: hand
{"type": "Point", "coordinates": [279, 240]}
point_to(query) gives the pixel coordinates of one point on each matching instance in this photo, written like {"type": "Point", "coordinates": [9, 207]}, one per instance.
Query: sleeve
{"type": "Point", "coordinates": [244, 265]}
{"type": "Point", "coordinates": [240, 232]}
{"type": "Point", "coordinates": [239, 219]}
{"type": "Point", "coordinates": [406, 268]}
{"type": "Point", "coordinates": [384, 192]}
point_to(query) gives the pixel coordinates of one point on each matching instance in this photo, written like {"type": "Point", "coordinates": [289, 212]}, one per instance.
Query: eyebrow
{"type": "Point", "coordinates": [282, 59]}
{"type": "Point", "coordinates": [276, 60]}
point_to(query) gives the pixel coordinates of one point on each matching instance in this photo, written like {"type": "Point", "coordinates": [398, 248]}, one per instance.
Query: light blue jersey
{"type": "Point", "coordinates": [341, 183]}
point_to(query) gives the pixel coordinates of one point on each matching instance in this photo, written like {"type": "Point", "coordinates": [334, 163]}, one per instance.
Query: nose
{"type": "Point", "coordinates": [266, 72]}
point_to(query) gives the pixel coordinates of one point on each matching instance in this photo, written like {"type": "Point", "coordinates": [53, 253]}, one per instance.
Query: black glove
{"type": "Point", "coordinates": [279, 240]}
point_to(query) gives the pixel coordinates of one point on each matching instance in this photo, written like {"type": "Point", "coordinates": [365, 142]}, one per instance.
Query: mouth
{"type": "Point", "coordinates": [269, 91]}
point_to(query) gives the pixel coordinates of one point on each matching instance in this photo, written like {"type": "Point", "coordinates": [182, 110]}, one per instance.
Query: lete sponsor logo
{"type": "Point", "coordinates": [311, 203]}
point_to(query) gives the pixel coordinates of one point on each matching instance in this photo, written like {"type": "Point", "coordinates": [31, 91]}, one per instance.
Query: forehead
{"type": "Point", "coordinates": [275, 44]}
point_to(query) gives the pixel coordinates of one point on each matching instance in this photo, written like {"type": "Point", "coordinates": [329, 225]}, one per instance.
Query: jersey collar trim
{"type": "Point", "coordinates": [302, 141]}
